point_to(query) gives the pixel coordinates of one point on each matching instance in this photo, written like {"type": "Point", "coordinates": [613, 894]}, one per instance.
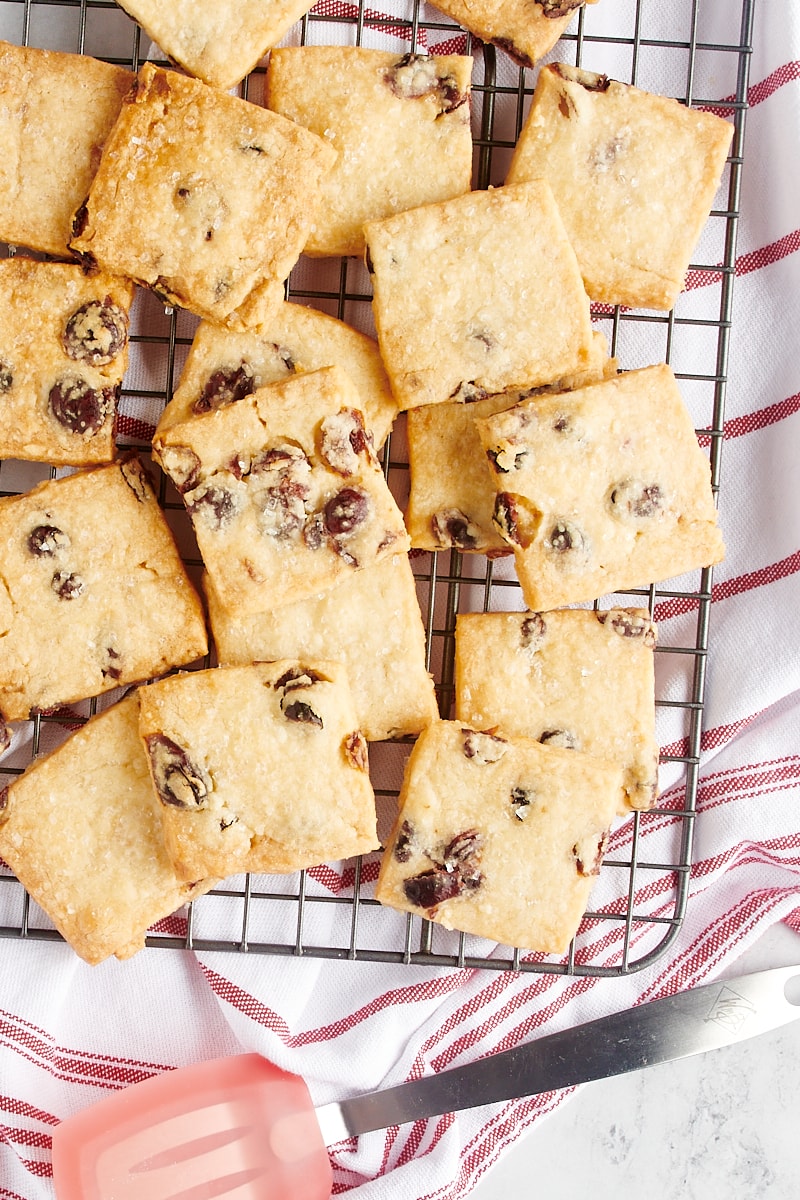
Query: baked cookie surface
{"type": "Point", "coordinates": [525, 29]}
{"type": "Point", "coordinates": [575, 678]}
{"type": "Point", "coordinates": [203, 197]}
{"type": "Point", "coordinates": [284, 491]}
{"type": "Point", "coordinates": [452, 492]}
{"type": "Point", "coordinates": [400, 125]}
{"type": "Point", "coordinates": [602, 489]}
{"type": "Point", "coordinates": [222, 366]}
{"type": "Point", "coordinates": [81, 830]}
{"type": "Point", "coordinates": [634, 176]}
{"type": "Point", "coordinates": [93, 594]}
{"type": "Point", "coordinates": [498, 300]}
{"type": "Point", "coordinates": [56, 111]}
{"type": "Point", "coordinates": [498, 836]}
{"type": "Point", "coordinates": [215, 40]}
{"type": "Point", "coordinates": [63, 353]}
{"type": "Point", "coordinates": [258, 768]}
{"type": "Point", "coordinates": [370, 622]}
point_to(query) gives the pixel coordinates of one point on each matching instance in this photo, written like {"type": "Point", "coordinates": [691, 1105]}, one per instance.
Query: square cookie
{"type": "Point", "coordinates": [81, 830]}
{"type": "Point", "coordinates": [476, 295]}
{"type": "Point", "coordinates": [634, 176]}
{"type": "Point", "coordinates": [371, 622]}
{"type": "Point", "coordinates": [203, 197]}
{"type": "Point", "coordinates": [284, 491]}
{"type": "Point", "coordinates": [573, 677]}
{"type": "Point", "coordinates": [258, 768]}
{"type": "Point", "coordinates": [602, 489]}
{"type": "Point", "coordinates": [401, 126]}
{"type": "Point", "coordinates": [56, 111]}
{"type": "Point", "coordinates": [498, 836]}
{"type": "Point", "coordinates": [223, 366]}
{"type": "Point", "coordinates": [63, 353]}
{"type": "Point", "coordinates": [452, 492]}
{"type": "Point", "coordinates": [93, 594]}
{"type": "Point", "coordinates": [525, 29]}
{"type": "Point", "coordinates": [215, 40]}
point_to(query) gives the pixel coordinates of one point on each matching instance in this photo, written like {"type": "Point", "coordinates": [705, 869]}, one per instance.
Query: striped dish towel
{"type": "Point", "coordinates": [69, 1034]}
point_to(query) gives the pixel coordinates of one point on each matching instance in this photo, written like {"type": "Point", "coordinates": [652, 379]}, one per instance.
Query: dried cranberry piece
{"type": "Point", "coordinates": [67, 585]}
{"type": "Point", "coordinates": [113, 669]}
{"type": "Point", "coordinates": [565, 538]}
{"type": "Point", "coordinates": [79, 407]}
{"type": "Point", "coordinates": [356, 750]}
{"type": "Point", "coordinates": [183, 467]}
{"type": "Point", "coordinates": [591, 81]}
{"type": "Point", "coordinates": [431, 888]}
{"type": "Point", "coordinates": [416, 75]}
{"type": "Point", "coordinates": [507, 457]}
{"type": "Point", "coordinates": [179, 781]}
{"type": "Point", "coordinates": [346, 511]}
{"type": "Point", "coordinates": [520, 801]}
{"type": "Point", "coordinates": [225, 386]}
{"type": "Point", "coordinates": [215, 504]}
{"type": "Point", "coordinates": [632, 498]}
{"type": "Point", "coordinates": [468, 392]}
{"type": "Point", "coordinates": [562, 738]}
{"type": "Point", "coordinates": [452, 527]}
{"type": "Point", "coordinates": [96, 332]}
{"type": "Point", "coordinates": [6, 377]}
{"type": "Point", "coordinates": [136, 477]}
{"type": "Point", "coordinates": [589, 854]}
{"type": "Point", "coordinates": [301, 712]}
{"type": "Point", "coordinates": [532, 631]}
{"type": "Point", "coordinates": [314, 535]}
{"type": "Point", "coordinates": [514, 519]}
{"type": "Point", "coordinates": [463, 852]}
{"type": "Point", "coordinates": [558, 8]}
{"type": "Point", "coordinates": [80, 219]}
{"type": "Point", "coordinates": [630, 625]}
{"type": "Point", "coordinates": [298, 677]}
{"type": "Point", "coordinates": [483, 747]}
{"type": "Point", "coordinates": [403, 843]}
{"type": "Point", "coordinates": [47, 540]}
{"type": "Point", "coordinates": [344, 441]}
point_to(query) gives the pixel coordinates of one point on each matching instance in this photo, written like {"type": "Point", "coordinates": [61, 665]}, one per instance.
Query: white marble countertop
{"type": "Point", "coordinates": [721, 1126]}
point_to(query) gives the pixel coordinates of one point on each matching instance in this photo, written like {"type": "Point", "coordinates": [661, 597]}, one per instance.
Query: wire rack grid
{"type": "Point", "coordinates": [329, 912]}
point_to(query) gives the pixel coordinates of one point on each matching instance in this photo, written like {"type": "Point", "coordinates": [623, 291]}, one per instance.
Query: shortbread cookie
{"type": "Point", "coordinates": [258, 768]}
{"type": "Point", "coordinates": [215, 40]}
{"type": "Point", "coordinates": [498, 836]}
{"type": "Point", "coordinates": [203, 197]}
{"type": "Point", "coordinates": [63, 352]}
{"type": "Point", "coordinates": [525, 29]}
{"type": "Point", "coordinates": [476, 295]}
{"type": "Point", "coordinates": [284, 490]}
{"type": "Point", "coordinates": [602, 489]}
{"type": "Point", "coordinates": [56, 111]}
{"type": "Point", "coordinates": [93, 593]}
{"type": "Point", "coordinates": [452, 492]}
{"type": "Point", "coordinates": [81, 829]}
{"type": "Point", "coordinates": [401, 126]}
{"type": "Point", "coordinates": [634, 176]}
{"type": "Point", "coordinates": [371, 622]}
{"type": "Point", "coordinates": [575, 678]}
{"type": "Point", "coordinates": [223, 366]}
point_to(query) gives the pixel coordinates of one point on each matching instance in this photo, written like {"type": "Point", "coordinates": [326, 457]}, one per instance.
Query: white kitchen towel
{"type": "Point", "coordinates": [70, 1033]}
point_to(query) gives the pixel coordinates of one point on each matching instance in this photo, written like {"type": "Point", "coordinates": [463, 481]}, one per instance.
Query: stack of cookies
{"type": "Point", "coordinates": [524, 438]}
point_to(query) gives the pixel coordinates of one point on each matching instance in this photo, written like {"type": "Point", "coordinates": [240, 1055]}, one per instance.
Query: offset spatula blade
{"type": "Point", "coordinates": [239, 1128]}
{"type": "Point", "coordinates": [688, 1023]}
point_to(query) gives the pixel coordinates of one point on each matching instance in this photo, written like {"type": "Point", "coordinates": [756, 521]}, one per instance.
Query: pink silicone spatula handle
{"type": "Point", "coordinates": [214, 1130]}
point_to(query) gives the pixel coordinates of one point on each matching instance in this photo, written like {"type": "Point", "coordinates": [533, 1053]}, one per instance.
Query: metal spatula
{"type": "Point", "coordinates": [239, 1128]}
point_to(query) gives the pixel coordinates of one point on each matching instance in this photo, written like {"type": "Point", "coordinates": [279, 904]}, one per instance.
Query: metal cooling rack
{"type": "Point", "coordinates": [330, 913]}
